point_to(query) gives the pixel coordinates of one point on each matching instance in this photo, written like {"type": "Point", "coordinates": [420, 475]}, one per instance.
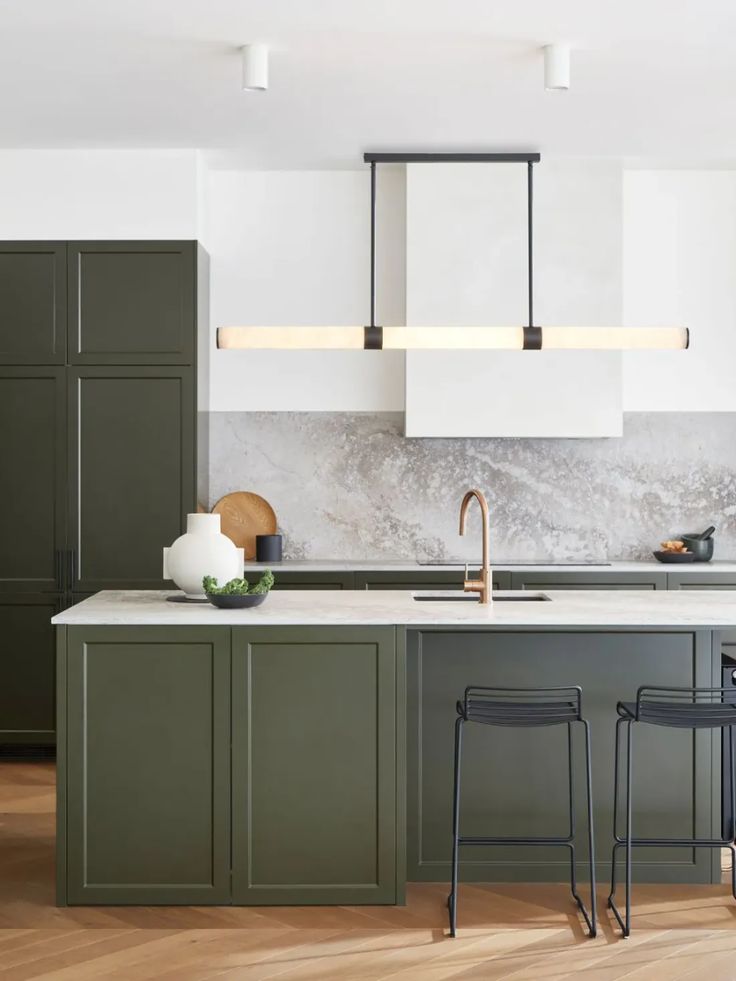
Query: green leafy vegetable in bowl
{"type": "Point", "coordinates": [238, 587]}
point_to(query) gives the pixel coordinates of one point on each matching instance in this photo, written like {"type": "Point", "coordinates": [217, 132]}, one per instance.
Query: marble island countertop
{"type": "Point", "coordinates": [575, 608]}
{"type": "Point", "coordinates": [456, 565]}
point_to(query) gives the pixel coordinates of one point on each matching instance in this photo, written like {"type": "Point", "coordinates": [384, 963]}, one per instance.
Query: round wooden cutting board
{"type": "Point", "coordinates": [243, 515]}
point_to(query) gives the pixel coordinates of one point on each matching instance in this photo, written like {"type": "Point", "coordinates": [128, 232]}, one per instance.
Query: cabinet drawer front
{"type": "Point", "coordinates": [148, 731]}
{"type": "Point", "coordinates": [314, 765]}
{"type": "Point", "coordinates": [27, 693]}
{"type": "Point", "coordinates": [131, 302]}
{"type": "Point", "coordinates": [32, 303]}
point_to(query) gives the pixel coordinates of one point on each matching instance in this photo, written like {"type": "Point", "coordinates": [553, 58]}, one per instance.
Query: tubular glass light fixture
{"type": "Point", "coordinates": [557, 67]}
{"type": "Point", "coordinates": [530, 337]}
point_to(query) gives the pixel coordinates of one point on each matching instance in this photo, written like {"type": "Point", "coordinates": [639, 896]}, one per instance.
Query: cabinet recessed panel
{"type": "Point", "coordinates": [131, 303]}
{"type": "Point", "coordinates": [148, 761]}
{"type": "Point", "coordinates": [32, 303]}
{"type": "Point", "coordinates": [131, 452]}
{"type": "Point", "coordinates": [32, 485]}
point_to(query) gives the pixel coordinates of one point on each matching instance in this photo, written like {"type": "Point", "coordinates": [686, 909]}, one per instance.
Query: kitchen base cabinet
{"type": "Point", "coordinates": [27, 693]}
{"type": "Point", "coordinates": [307, 580]}
{"type": "Point", "coordinates": [315, 765]}
{"type": "Point", "coordinates": [144, 752]}
{"type": "Point", "coordinates": [592, 579]}
{"type": "Point", "coordinates": [425, 579]}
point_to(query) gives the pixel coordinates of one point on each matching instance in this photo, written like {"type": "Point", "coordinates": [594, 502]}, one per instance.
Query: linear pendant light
{"type": "Point", "coordinates": [374, 337]}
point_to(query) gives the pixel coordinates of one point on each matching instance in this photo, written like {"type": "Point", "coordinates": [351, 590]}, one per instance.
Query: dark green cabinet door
{"type": "Point", "coordinates": [132, 302]}
{"type": "Point", "coordinates": [311, 580]}
{"type": "Point", "coordinates": [147, 765]}
{"type": "Point", "coordinates": [425, 579]}
{"type": "Point", "coordinates": [27, 696]}
{"type": "Point", "coordinates": [314, 765]}
{"type": "Point", "coordinates": [32, 303]}
{"type": "Point", "coordinates": [32, 489]}
{"type": "Point", "coordinates": [132, 474]}
{"type": "Point", "coordinates": [593, 579]}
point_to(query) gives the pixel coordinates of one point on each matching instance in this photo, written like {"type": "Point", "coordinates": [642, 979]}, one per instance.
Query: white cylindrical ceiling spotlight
{"type": "Point", "coordinates": [557, 67]}
{"type": "Point", "coordinates": [255, 67]}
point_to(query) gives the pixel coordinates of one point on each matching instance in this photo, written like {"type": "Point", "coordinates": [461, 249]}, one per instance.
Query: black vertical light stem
{"type": "Point", "coordinates": [530, 238]}
{"type": "Point", "coordinates": [372, 335]}
{"type": "Point", "coordinates": [532, 335]}
{"type": "Point", "coordinates": [373, 243]}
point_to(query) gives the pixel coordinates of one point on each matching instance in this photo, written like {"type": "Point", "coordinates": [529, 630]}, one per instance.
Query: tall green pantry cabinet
{"type": "Point", "coordinates": [102, 367]}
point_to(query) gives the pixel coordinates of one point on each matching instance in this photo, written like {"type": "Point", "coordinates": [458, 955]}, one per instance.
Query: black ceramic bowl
{"type": "Point", "coordinates": [674, 556]}
{"type": "Point", "coordinates": [235, 602]}
{"type": "Point", "coordinates": [702, 550]}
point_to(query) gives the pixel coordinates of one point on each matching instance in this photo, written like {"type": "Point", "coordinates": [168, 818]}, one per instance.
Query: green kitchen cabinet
{"type": "Point", "coordinates": [317, 765]}
{"type": "Point", "coordinates": [706, 579]}
{"type": "Point", "coordinates": [590, 579]}
{"type": "Point", "coordinates": [33, 307]}
{"type": "Point", "coordinates": [101, 443]}
{"type": "Point", "coordinates": [311, 580]}
{"type": "Point", "coordinates": [132, 471]}
{"type": "Point", "coordinates": [515, 780]}
{"type": "Point", "coordinates": [27, 694]}
{"type": "Point", "coordinates": [425, 579]}
{"type": "Point", "coordinates": [132, 302]}
{"type": "Point", "coordinates": [144, 782]}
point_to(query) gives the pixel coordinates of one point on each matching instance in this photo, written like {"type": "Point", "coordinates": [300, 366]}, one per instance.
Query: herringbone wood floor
{"type": "Point", "coordinates": [522, 933]}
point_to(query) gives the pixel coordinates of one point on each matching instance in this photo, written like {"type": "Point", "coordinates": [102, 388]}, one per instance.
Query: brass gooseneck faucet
{"type": "Point", "coordinates": [481, 586]}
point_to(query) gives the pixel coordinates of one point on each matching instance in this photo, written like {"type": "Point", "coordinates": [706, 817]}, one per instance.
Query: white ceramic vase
{"type": "Point", "coordinates": [202, 551]}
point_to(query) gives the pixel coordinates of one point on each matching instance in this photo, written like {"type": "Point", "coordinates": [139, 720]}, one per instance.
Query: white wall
{"type": "Point", "coordinates": [89, 194]}
{"type": "Point", "coordinates": [293, 248]}
{"type": "Point", "coordinates": [467, 265]}
{"type": "Point", "coordinates": [679, 253]}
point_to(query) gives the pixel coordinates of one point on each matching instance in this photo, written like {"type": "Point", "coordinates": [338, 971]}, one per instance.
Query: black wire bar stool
{"type": "Point", "coordinates": [681, 708]}
{"type": "Point", "coordinates": [523, 708]}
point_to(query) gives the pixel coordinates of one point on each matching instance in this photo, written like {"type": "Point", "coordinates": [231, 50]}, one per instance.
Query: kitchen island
{"type": "Point", "coordinates": [301, 752]}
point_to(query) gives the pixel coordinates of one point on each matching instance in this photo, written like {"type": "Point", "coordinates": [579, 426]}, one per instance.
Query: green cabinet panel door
{"type": "Point", "coordinates": [147, 765]}
{"type": "Point", "coordinates": [32, 303]}
{"type": "Point", "coordinates": [425, 579]}
{"type": "Point", "coordinates": [515, 780]}
{"type": "Point", "coordinates": [132, 472]}
{"type": "Point", "coordinates": [314, 765]}
{"type": "Point", "coordinates": [590, 579]}
{"type": "Point", "coordinates": [32, 490]}
{"type": "Point", "coordinates": [311, 580]}
{"type": "Point", "coordinates": [132, 302]}
{"type": "Point", "coordinates": [27, 696]}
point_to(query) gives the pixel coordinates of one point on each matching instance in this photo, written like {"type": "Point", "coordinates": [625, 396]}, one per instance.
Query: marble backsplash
{"type": "Point", "coordinates": [351, 486]}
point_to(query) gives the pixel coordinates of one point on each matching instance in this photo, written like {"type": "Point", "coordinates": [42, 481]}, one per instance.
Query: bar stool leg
{"type": "Point", "coordinates": [591, 837]}
{"type": "Point", "coordinates": [571, 833]}
{"type": "Point", "coordinates": [732, 829]}
{"type": "Point", "coordinates": [629, 741]}
{"type": "Point", "coordinates": [452, 898]}
{"type": "Point", "coordinates": [621, 841]}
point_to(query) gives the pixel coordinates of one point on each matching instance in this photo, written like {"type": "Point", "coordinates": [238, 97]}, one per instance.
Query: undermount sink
{"type": "Point", "coordinates": [520, 597]}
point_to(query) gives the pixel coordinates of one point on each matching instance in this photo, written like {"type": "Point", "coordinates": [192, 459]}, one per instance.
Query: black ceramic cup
{"type": "Point", "coordinates": [268, 548]}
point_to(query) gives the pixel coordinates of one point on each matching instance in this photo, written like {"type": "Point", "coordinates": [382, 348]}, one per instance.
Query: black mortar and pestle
{"type": "Point", "coordinates": [701, 545]}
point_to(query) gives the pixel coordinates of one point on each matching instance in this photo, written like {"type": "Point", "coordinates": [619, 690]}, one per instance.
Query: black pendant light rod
{"type": "Point", "coordinates": [532, 334]}
{"type": "Point", "coordinates": [373, 335]}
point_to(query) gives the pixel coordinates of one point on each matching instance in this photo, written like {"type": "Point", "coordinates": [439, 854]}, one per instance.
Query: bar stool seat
{"type": "Point", "coordinates": [681, 715]}
{"type": "Point", "coordinates": [544, 712]}
{"type": "Point", "coordinates": [524, 708]}
{"type": "Point", "coordinates": [678, 708]}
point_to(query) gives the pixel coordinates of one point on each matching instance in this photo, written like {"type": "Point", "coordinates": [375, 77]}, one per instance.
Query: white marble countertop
{"type": "Point", "coordinates": [411, 565]}
{"type": "Point", "coordinates": [594, 608]}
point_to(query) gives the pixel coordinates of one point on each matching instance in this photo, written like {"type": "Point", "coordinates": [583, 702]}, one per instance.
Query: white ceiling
{"type": "Point", "coordinates": [650, 78]}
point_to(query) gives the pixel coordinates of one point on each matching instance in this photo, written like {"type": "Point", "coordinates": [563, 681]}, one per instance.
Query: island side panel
{"type": "Point", "coordinates": [515, 781]}
{"type": "Point", "coordinates": [147, 765]}
{"type": "Point", "coordinates": [61, 767]}
{"type": "Point", "coordinates": [314, 765]}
